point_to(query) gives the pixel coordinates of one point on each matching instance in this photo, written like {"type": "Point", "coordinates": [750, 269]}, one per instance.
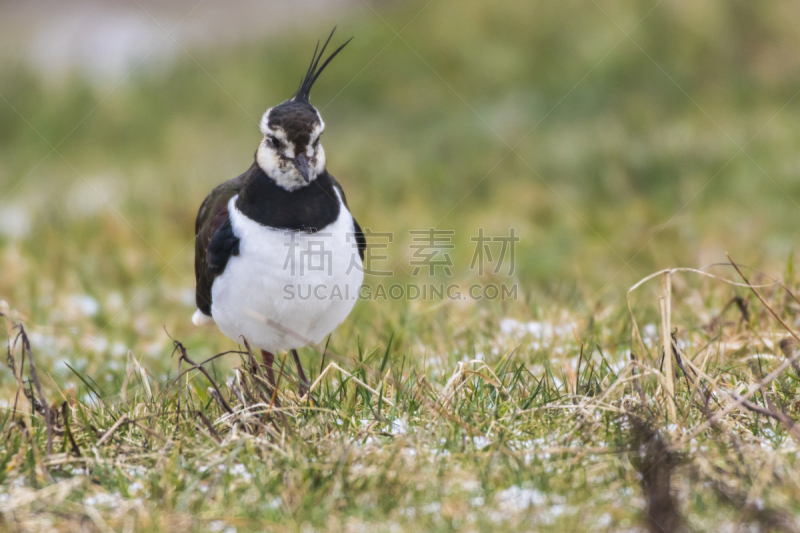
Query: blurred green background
{"type": "Point", "coordinates": [617, 138]}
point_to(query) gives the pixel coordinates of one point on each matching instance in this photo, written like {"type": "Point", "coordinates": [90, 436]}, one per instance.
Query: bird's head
{"type": "Point", "coordinates": [290, 152]}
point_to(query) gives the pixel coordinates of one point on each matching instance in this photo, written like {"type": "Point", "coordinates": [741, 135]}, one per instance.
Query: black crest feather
{"type": "Point", "coordinates": [314, 70]}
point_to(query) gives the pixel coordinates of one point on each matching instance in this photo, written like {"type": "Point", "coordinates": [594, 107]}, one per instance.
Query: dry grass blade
{"type": "Point", "coordinates": [460, 375]}
{"type": "Point", "coordinates": [26, 346]}
{"type": "Point", "coordinates": [74, 445]}
{"type": "Point", "coordinates": [216, 392]}
{"type": "Point", "coordinates": [48, 495]}
{"type": "Point", "coordinates": [743, 399]}
{"type": "Point", "coordinates": [781, 417]}
{"type": "Point", "coordinates": [334, 366]}
{"type": "Point", "coordinates": [666, 340]}
{"type": "Point", "coordinates": [764, 302]}
{"type": "Point", "coordinates": [122, 420]}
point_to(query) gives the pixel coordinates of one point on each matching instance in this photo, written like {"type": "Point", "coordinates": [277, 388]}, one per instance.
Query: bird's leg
{"type": "Point", "coordinates": [269, 358]}
{"type": "Point", "coordinates": [303, 384]}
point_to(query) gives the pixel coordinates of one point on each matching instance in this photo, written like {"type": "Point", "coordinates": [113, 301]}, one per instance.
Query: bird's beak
{"type": "Point", "coordinates": [301, 162]}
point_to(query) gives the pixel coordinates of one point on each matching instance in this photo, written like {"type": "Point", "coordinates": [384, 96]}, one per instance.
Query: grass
{"type": "Point", "coordinates": [630, 155]}
{"type": "Point", "coordinates": [539, 424]}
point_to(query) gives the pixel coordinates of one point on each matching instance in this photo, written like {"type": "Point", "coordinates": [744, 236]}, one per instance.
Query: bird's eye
{"type": "Point", "coordinates": [316, 142]}
{"type": "Point", "coordinates": [274, 142]}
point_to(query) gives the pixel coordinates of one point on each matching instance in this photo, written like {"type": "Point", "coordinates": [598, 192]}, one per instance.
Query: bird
{"type": "Point", "coordinates": [278, 255]}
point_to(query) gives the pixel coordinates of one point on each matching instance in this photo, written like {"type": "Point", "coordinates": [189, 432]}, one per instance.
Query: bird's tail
{"type": "Point", "coordinates": [199, 318]}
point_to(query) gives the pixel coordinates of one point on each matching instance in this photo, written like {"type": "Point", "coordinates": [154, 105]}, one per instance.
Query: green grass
{"type": "Point", "coordinates": [630, 155]}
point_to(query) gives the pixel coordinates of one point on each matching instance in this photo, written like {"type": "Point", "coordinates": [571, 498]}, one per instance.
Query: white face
{"type": "Point", "coordinates": [278, 155]}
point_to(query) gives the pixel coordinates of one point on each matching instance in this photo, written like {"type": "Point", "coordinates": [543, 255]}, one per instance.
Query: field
{"type": "Point", "coordinates": [621, 143]}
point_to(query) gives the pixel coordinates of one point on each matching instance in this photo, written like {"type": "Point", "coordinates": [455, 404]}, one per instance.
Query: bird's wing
{"type": "Point", "coordinates": [214, 239]}
{"type": "Point", "coordinates": [359, 234]}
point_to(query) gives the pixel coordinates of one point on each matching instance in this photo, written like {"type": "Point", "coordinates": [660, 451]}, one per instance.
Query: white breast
{"type": "Point", "coordinates": [287, 289]}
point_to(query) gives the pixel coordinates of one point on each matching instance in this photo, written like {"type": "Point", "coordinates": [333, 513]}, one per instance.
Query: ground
{"type": "Point", "coordinates": [617, 141]}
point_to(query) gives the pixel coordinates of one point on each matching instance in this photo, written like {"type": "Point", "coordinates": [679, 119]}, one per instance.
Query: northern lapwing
{"type": "Point", "coordinates": [278, 256]}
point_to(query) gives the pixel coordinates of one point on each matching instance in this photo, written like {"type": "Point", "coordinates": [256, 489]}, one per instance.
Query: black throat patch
{"type": "Point", "coordinates": [309, 209]}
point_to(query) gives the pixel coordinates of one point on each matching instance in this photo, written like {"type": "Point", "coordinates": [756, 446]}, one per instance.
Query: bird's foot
{"type": "Point", "coordinates": [302, 383]}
